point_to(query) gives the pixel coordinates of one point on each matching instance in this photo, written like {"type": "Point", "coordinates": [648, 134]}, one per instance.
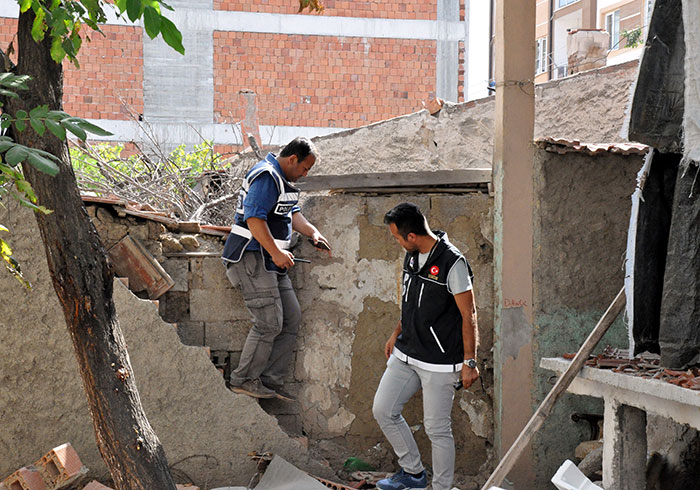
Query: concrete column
{"type": "Point", "coordinates": [447, 65]}
{"type": "Point", "coordinates": [624, 446]}
{"type": "Point", "coordinates": [513, 157]}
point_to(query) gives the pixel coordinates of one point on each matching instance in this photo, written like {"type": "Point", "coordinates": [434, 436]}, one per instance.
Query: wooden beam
{"type": "Point", "coordinates": [397, 179]}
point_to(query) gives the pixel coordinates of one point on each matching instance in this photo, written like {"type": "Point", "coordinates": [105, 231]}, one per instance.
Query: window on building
{"type": "Point", "coordinates": [561, 71]}
{"type": "Point", "coordinates": [564, 3]}
{"type": "Point", "coordinates": [612, 25]}
{"type": "Point", "coordinates": [541, 56]}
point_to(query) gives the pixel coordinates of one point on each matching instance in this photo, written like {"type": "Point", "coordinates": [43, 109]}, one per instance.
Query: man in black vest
{"type": "Point", "coordinates": [432, 348]}
{"type": "Point", "coordinates": [257, 258]}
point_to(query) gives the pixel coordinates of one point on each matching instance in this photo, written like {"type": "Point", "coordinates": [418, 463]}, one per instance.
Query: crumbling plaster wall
{"type": "Point", "coordinates": [42, 403]}
{"type": "Point", "coordinates": [350, 306]}
{"type": "Point", "coordinates": [589, 106]}
{"type": "Point", "coordinates": [580, 229]}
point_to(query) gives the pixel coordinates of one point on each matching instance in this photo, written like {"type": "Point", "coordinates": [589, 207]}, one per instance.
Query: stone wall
{"type": "Point", "coordinates": [580, 230]}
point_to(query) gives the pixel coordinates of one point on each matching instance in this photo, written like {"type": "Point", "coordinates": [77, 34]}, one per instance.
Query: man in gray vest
{"type": "Point", "coordinates": [257, 258]}
{"type": "Point", "coordinates": [432, 348]}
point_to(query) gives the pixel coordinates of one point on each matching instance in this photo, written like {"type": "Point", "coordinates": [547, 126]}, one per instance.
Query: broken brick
{"type": "Point", "coordinates": [25, 478]}
{"type": "Point", "coordinates": [95, 485]}
{"type": "Point", "coordinates": [60, 464]}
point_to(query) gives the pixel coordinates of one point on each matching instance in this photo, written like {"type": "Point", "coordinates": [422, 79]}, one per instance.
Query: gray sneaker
{"type": "Point", "coordinates": [284, 395]}
{"type": "Point", "coordinates": [254, 388]}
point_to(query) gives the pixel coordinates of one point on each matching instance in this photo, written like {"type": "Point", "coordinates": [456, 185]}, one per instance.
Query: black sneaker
{"type": "Point", "coordinates": [254, 388]}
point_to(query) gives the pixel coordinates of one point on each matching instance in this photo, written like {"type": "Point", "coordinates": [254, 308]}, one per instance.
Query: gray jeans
{"type": "Point", "coordinates": [269, 348]}
{"type": "Point", "coordinates": [398, 384]}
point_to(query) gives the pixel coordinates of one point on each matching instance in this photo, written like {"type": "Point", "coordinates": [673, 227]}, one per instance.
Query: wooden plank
{"type": "Point", "coordinates": [397, 179]}
{"type": "Point", "coordinates": [417, 190]}
{"type": "Point", "coordinates": [538, 418]}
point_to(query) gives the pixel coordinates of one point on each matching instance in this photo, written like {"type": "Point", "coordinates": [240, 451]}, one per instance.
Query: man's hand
{"type": "Point", "coordinates": [321, 242]}
{"type": "Point", "coordinates": [469, 375]}
{"type": "Point", "coordinates": [283, 259]}
{"type": "Point", "coordinates": [389, 346]}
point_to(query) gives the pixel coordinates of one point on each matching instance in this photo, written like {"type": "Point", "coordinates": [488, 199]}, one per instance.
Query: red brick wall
{"type": "Point", "coordinates": [110, 66]}
{"type": "Point", "coordinates": [8, 29]}
{"type": "Point", "coordinates": [385, 9]}
{"type": "Point", "coordinates": [321, 80]}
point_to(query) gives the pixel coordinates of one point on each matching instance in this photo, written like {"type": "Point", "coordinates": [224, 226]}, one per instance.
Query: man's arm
{"type": "Point", "coordinates": [261, 232]}
{"type": "Point", "coordinates": [302, 225]}
{"type": "Point", "coordinates": [470, 334]}
{"type": "Point", "coordinates": [389, 346]}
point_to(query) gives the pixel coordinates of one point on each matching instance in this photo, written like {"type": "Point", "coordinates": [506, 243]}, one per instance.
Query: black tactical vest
{"type": "Point", "coordinates": [431, 323]}
{"type": "Point", "coordinates": [279, 220]}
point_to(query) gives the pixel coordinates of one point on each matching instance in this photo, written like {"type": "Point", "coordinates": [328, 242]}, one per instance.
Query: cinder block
{"type": "Point", "coordinates": [26, 478]}
{"type": "Point", "coordinates": [95, 485]}
{"type": "Point", "coordinates": [226, 335]}
{"type": "Point", "coordinates": [217, 305]}
{"type": "Point", "coordinates": [175, 306]}
{"type": "Point", "coordinates": [191, 333]}
{"type": "Point", "coordinates": [60, 465]}
{"type": "Point", "coordinates": [179, 270]}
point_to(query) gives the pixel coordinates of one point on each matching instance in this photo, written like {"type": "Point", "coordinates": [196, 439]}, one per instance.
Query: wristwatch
{"type": "Point", "coordinates": [470, 363]}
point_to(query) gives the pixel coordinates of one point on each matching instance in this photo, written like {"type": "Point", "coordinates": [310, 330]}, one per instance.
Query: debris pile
{"type": "Point", "coordinates": [645, 365]}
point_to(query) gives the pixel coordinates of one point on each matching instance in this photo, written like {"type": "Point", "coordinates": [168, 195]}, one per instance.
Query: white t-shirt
{"type": "Point", "coordinates": [458, 280]}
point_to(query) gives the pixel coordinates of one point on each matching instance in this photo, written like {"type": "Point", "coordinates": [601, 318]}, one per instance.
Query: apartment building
{"type": "Point", "coordinates": [357, 63]}
{"type": "Point", "coordinates": [624, 22]}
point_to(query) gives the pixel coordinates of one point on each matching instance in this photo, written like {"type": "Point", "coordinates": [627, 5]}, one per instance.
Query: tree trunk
{"type": "Point", "coordinates": [83, 279]}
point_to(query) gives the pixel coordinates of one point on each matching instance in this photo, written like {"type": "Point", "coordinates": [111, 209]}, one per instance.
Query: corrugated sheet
{"type": "Point", "coordinates": [561, 146]}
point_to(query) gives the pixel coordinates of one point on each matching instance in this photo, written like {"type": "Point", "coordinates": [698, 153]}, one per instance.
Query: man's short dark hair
{"type": "Point", "coordinates": [408, 219]}
{"type": "Point", "coordinates": [301, 147]}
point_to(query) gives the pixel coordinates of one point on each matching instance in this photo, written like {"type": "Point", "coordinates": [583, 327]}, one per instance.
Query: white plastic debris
{"type": "Point", "coordinates": [569, 477]}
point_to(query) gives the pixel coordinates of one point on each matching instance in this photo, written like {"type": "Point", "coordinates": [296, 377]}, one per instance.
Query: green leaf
{"type": "Point", "coordinates": [171, 35]}
{"type": "Point", "coordinates": [25, 5]}
{"type": "Point", "coordinates": [42, 164]}
{"type": "Point", "coordinates": [20, 125]}
{"type": "Point", "coordinates": [21, 114]}
{"type": "Point", "coordinates": [91, 128]}
{"type": "Point", "coordinates": [39, 111]}
{"type": "Point", "coordinates": [151, 20]}
{"type": "Point", "coordinates": [8, 93]}
{"type": "Point", "coordinates": [39, 26]}
{"type": "Point", "coordinates": [133, 9]}
{"type": "Point", "coordinates": [5, 122]}
{"type": "Point", "coordinates": [38, 126]}
{"type": "Point", "coordinates": [57, 51]}
{"type": "Point", "coordinates": [6, 145]}
{"type": "Point", "coordinates": [75, 129]}
{"type": "Point", "coordinates": [121, 5]}
{"type": "Point", "coordinates": [57, 115]}
{"type": "Point", "coordinates": [55, 128]}
{"type": "Point", "coordinates": [16, 155]}
{"type": "Point", "coordinates": [4, 246]}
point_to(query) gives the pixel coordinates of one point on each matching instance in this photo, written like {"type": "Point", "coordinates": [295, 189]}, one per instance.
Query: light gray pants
{"type": "Point", "coordinates": [399, 383]}
{"type": "Point", "coordinates": [269, 348]}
